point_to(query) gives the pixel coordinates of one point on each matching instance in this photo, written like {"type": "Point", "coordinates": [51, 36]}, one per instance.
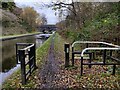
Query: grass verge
{"type": "Point", "coordinates": [59, 43]}
{"type": "Point", "coordinates": [18, 35]}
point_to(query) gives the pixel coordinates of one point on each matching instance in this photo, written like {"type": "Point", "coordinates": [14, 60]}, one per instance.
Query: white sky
{"type": "Point", "coordinates": [49, 13]}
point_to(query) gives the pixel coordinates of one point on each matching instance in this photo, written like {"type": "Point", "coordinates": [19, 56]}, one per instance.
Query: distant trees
{"type": "Point", "coordinates": [80, 13]}
{"type": "Point", "coordinates": [77, 13]}
{"type": "Point", "coordinates": [43, 19]}
{"type": "Point", "coordinates": [29, 15]}
{"type": "Point", "coordinates": [91, 20]}
{"type": "Point", "coordinates": [8, 5]}
{"type": "Point", "coordinates": [32, 18]}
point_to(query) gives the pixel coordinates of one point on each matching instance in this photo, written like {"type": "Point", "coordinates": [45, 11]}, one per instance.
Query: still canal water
{"type": "Point", "coordinates": [8, 54]}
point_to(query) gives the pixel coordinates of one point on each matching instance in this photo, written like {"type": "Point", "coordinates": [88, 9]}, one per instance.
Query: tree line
{"type": "Point", "coordinates": [27, 16]}
{"type": "Point", "coordinates": [90, 20]}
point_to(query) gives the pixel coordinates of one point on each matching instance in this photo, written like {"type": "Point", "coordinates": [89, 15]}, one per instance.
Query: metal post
{"type": "Point", "coordinates": [72, 56]}
{"type": "Point", "coordinates": [30, 61]}
{"type": "Point", "coordinates": [66, 48]}
{"type": "Point", "coordinates": [34, 50]}
{"type": "Point", "coordinates": [118, 54]}
{"type": "Point", "coordinates": [104, 56]}
{"type": "Point", "coordinates": [111, 52]}
{"type": "Point", "coordinates": [21, 54]}
{"type": "Point", "coordinates": [16, 53]}
{"type": "Point", "coordinates": [90, 55]}
{"type": "Point", "coordinates": [93, 55]}
{"type": "Point", "coordinates": [114, 67]}
{"type": "Point", "coordinates": [86, 45]}
{"type": "Point", "coordinates": [81, 66]}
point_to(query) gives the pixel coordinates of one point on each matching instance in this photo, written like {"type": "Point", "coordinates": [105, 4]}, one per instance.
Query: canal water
{"type": "Point", "coordinates": [9, 54]}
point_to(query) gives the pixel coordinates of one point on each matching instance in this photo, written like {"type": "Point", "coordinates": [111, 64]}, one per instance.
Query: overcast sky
{"type": "Point", "coordinates": [49, 13]}
{"type": "Point", "coordinates": [37, 4]}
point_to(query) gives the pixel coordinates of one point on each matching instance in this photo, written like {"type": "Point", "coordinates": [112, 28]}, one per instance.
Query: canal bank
{"type": "Point", "coordinates": [14, 81]}
{"type": "Point", "coordinates": [8, 49]}
{"type": "Point", "coordinates": [8, 61]}
{"type": "Point", "coordinates": [65, 78]}
{"type": "Point", "coordinates": [18, 36]}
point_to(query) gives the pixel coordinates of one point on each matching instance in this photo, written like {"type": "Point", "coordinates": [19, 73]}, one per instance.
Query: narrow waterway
{"type": "Point", "coordinates": [9, 56]}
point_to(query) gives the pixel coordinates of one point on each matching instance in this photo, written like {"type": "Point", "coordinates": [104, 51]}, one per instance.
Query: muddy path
{"type": "Point", "coordinates": [50, 70]}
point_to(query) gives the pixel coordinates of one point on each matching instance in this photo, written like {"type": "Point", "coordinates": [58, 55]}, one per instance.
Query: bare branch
{"type": "Point", "coordinates": [61, 3]}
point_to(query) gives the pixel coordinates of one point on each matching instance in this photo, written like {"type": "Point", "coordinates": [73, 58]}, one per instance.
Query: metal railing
{"type": "Point", "coordinates": [110, 47]}
{"type": "Point", "coordinates": [25, 55]}
{"type": "Point", "coordinates": [94, 42]}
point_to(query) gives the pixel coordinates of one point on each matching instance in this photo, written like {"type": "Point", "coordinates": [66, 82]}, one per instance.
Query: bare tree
{"type": "Point", "coordinates": [44, 19]}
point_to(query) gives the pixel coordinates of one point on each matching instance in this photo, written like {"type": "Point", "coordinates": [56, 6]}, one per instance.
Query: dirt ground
{"type": "Point", "coordinates": [54, 75]}
{"type": "Point", "coordinates": [50, 70]}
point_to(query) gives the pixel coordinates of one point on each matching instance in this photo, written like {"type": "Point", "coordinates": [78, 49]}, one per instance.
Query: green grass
{"type": "Point", "coordinates": [15, 79]}
{"type": "Point", "coordinates": [18, 35]}
{"type": "Point", "coordinates": [42, 51]}
{"type": "Point", "coordinates": [59, 43]}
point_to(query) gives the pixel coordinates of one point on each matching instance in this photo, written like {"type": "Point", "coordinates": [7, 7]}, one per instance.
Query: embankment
{"type": "Point", "coordinates": [14, 81]}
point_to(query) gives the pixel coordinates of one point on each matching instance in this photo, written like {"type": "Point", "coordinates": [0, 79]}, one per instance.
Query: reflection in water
{"type": "Point", "coordinates": [8, 54]}
{"type": "Point", "coordinates": [39, 42]}
{"type": "Point", "coordinates": [8, 63]}
{"type": "Point", "coordinates": [8, 51]}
